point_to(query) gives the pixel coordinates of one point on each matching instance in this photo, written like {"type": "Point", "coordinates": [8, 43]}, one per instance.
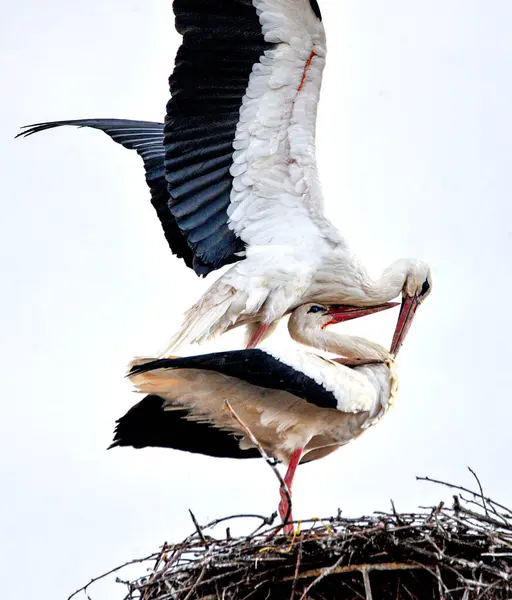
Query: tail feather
{"type": "Point", "coordinates": [209, 317]}
{"type": "Point", "coordinates": [223, 307]}
{"type": "Point", "coordinates": [147, 424]}
{"type": "Point", "coordinates": [141, 364]}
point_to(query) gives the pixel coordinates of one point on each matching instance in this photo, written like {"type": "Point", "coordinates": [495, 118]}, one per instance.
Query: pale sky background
{"type": "Point", "coordinates": [414, 148]}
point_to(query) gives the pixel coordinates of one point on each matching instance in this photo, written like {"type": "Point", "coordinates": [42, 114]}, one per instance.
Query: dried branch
{"type": "Point", "coordinates": [196, 525]}
{"type": "Point", "coordinates": [458, 552]}
{"type": "Point", "coordinates": [481, 490]}
{"type": "Point", "coordinates": [114, 570]}
{"type": "Point", "coordinates": [464, 489]}
{"type": "Point", "coordinates": [324, 573]}
{"type": "Point", "coordinates": [296, 573]}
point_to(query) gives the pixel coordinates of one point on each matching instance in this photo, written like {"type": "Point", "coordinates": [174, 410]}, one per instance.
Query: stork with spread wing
{"type": "Point", "coordinates": [233, 174]}
{"type": "Point", "coordinates": [300, 406]}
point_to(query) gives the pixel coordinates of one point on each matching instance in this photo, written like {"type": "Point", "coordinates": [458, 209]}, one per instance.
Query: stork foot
{"type": "Point", "coordinates": [285, 508]}
{"type": "Point", "coordinates": [285, 512]}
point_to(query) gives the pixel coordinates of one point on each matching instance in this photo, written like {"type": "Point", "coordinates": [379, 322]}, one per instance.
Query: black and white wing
{"type": "Point", "coordinates": [240, 126]}
{"type": "Point", "coordinates": [274, 396]}
{"type": "Point", "coordinates": [304, 374]}
{"type": "Point", "coordinates": [147, 139]}
{"type": "Point", "coordinates": [238, 150]}
{"type": "Point", "coordinates": [255, 367]}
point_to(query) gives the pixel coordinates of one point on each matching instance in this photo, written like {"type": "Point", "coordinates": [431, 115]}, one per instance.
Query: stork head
{"type": "Point", "coordinates": [318, 316]}
{"type": "Point", "coordinates": [417, 286]}
{"type": "Point", "coordinates": [308, 321]}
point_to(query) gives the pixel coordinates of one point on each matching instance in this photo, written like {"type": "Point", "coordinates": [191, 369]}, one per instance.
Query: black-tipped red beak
{"type": "Point", "coordinates": [405, 318]}
{"type": "Point", "coordinates": [343, 312]}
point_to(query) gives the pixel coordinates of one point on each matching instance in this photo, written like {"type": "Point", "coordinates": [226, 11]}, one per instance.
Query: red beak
{"type": "Point", "coordinates": [343, 312]}
{"type": "Point", "coordinates": [405, 318]}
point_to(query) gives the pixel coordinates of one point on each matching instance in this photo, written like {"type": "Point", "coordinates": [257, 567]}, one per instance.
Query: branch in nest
{"type": "Point", "coordinates": [480, 488]}
{"type": "Point", "coordinates": [196, 525]}
{"type": "Point", "coordinates": [438, 553]}
{"type": "Point", "coordinates": [153, 556]}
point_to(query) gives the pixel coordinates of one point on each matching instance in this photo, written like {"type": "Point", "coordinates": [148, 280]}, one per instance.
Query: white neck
{"type": "Point", "coordinates": [346, 281]}
{"type": "Point", "coordinates": [346, 345]}
{"type": "Point", "coordinates": [393, 280]}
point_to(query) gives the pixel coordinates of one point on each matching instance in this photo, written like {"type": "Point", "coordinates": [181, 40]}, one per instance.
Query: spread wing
{"type": "Point", "coordinates": [146, 138]}
{"type": "Point", "coordinates": [240, 126]}
{"type": "Point", "coordinates": [234, 165]}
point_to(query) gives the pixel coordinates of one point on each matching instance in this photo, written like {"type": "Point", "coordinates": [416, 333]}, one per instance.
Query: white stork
{"type": "Point", "coordinates": [233, 174]}
{"type": "Point", "coordinates": [300, 406]}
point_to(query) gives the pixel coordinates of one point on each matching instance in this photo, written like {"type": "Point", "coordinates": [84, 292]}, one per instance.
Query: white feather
{"type": "Point", "coordinates": [293, 255]}
{"type": "Point", "coordinates": [276, 198]}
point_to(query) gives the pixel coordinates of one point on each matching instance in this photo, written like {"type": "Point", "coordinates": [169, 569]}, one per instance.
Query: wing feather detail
{"type": "Point", "coordinates": [276, 196]}
{"type": "Point", "coordinates": [221, 43]}
{"type": "Point", "coordinates": [146, 138]}
{"type": "Point", "coordinates": [244, 95]}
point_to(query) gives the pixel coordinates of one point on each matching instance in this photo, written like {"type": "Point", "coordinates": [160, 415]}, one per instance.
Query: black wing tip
{"type": "Point", "coordinates": [100, 123]}
{"type": "Point", "coordinates": [38, 127]}
{"type": "Point", "coordinates": [316, 9]}
{"type": "Point", "coordinates": [132, 428]}
{"type": "Point", "coordinates": [148, 425]}
{"type": "Point", "coordinates": [150, 365]}
{"type": "Point", "coordinates": [31, 129]}
{"type": "Point", "coordinates": [117, 438]}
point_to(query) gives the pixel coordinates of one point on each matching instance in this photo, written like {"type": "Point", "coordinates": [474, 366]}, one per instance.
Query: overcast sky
{"type": "Point", "coordinates": [414, 149]}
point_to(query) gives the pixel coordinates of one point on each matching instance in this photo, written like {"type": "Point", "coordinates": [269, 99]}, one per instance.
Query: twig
{"type": "Point", "coordinates": [269, 521]}
{"type": "Point", "coordinates": [197, 582]}
{"type": "Point", "coordinates": [265, 456]}
{"type": "Point", "coordinates": [398, 519]}
{"type": "Point", "coordinates": [337, 570]}
{"type": "Point", "coordinates": [196, 525]}
{"type": "Point", "coordinates": [324, 573]}
{"type": "Point", "coordinates": [297, 566]}
{"type": "Point", "coordinates": [491, 507]}
{"type": "Point", "coordinates": [367, 586]}
{"type": "Point", "coordinates": [154, 575]}
{"type": "Point", "coordinates": [126, 564]}
{"type": "Point", "coordinates": [440, 583]}
{"type": "Point", "coordinates": [481, 490]}
{"type": "Point", "coordinates": [485, 592]}
{"type": "Point", "coordinates": [265, 520]}
{"type": "Point", "coordinates": [463, 489]}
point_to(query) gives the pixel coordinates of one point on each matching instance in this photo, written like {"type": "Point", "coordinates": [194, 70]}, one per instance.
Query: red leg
{"type": "Point", "coordinates": [258, 335]}
{"type": "Point", "coordinates": [284, 507]}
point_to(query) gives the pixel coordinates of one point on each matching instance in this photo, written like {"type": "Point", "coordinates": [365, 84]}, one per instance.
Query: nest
{"type": "Point", "coordinates": [462, 551]}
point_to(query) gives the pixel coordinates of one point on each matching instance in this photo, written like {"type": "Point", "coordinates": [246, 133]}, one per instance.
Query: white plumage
{"type": "Point", "coordinates": [233, 173]}
{"type": "Point", "coordinates": [293, 253]}
{"type": "Point", "coordinates": [299, 405]}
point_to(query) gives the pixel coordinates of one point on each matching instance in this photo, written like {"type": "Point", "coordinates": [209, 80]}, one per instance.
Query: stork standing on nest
{"type": "Point", "coordinates": [233, 174]}
{"type": "Point", "coordinates": [300, 406]}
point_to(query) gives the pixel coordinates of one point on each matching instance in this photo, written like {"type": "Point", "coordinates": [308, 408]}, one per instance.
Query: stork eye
{"type": "Point", "coordinates": [316, 309]}
{"type": "Point", "coordinates": [424, 288]}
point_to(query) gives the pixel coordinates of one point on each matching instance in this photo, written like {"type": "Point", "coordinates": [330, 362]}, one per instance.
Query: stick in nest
{"type": "Point", "coordinates": [481, 490]}
{"type": "Point", "coordinates": [196, 525]}
{"type": "Point", "coordinates": [265, 456]}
